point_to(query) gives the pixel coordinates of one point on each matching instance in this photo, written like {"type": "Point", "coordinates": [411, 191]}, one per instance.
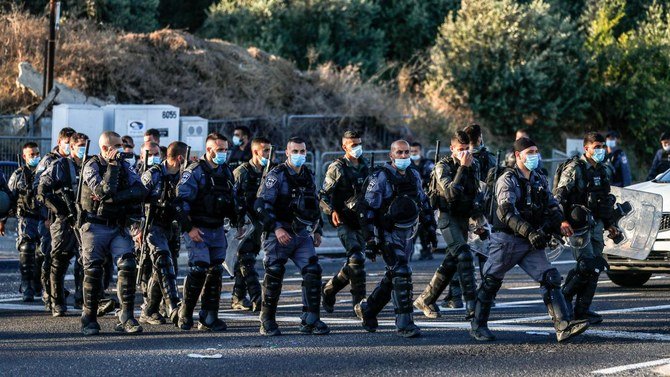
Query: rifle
{"type": "Point", "coordinates": [495, 182]}
{"type": "Point", "coordinates": [188, 155]}
{"type": "Point", "coordinates": [270, 160]}
{"type": "Point", "coordinates": [144, 254]}
{"type": "Point", "coordinates": [79, 216]}
{"type": "Point", "coordinates": [433, 188]}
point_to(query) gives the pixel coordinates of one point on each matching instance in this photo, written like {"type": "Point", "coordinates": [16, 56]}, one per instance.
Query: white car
{"type": "Point", "coordinates": [628, 272]}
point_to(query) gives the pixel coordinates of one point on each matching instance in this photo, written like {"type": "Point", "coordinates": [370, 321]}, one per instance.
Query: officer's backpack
{"type": "Point", "coordinates": [490, 183]}
{"type": "Point", "coordinates": [561, 167]}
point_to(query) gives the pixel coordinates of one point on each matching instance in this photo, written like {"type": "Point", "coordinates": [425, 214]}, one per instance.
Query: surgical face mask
{"type": "Point", "coordinates": [131, 161]}
{"type": "Point", "coordinates": [81, 151]}
{"type": "Point", "coordinates": [32, 162]}
{"type": "Point", "coordinates": [298, 160]}
{"type": "Point", "coordinates": [532, 161]}
{"type": "Point", "coordinates": [611, 143]}
{"type": "Point", "coordinates": [402, 163]}
{"type": "Point", "coordinates": [415, 157]}
{"type": "Point", "coordinates": [153, 160]}
{"type": "Point", "coordinates": [220, 158]}
{"type": "Point", "coordinates": [66, 148]}
{"type": "Point", "coordinates": [121, 150]}
{"type": "Point", "coordinates": [237, 141]}
{"type": "Point", "coordinates": [264, 161]}
{"type": "Point", "coordinates": [666, 148]}
{"type": "Point", "coordinates": [599, 155]}
{"type": "Point", "coordinates": [356, 151]}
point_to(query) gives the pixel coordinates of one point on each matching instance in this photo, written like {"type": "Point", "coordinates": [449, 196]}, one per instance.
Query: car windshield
{"type": "Point", "coordinates": [663, 178]}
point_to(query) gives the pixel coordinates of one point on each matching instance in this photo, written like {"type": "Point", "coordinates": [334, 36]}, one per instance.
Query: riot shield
{"type": "Point", "coordinates": [639, 227]}
{"type": "Point", "coordinates": [233, 249]}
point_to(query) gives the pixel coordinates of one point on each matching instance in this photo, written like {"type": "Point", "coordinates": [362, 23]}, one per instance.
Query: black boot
{"type": "Point", "coordinates": [126, 287]}
{"type": "Point", "coordinates": [357, 278]}
{"type": "Point", "coordinates": [584, 300]}
{"type": "Point", "coordinates": [239, 297]}
{"type": "Point", "coordinates": [27, 267]}
{"type": "Point", "coordinates": [211, 298]}
{"type": "Point", "coordinates": [57, 277]}
{"type": "Point", "coordinates": [37, 274]}
{"type": "Point", "coordinates": [334, 285]}
{"type": "Point", "coordinates": [402, 301]}
{"type": "Point", "coordinates": [466, 276]}
{"type": "Point", "coordinates": [78, 281]}
{"type": "Point", "coordinates": [92, 291]}
{"type": "Point", "coordinates": [368, 309]}
{"type": "Point", "coordinates": [454, 297]}
{"type": "Point", "coordinates": [272, 284]}
{"type": "Point", "coordinates": [426, 302]}
{"type": "Point", "coordinates": [168, 285]}
{"type": "Point", "coordinates": [193, 284]}
{"type": "Point", "coordinates": [45, 275]}
{"type": "Point", "coordinates": [250, 275]}
{"type": "Point", "coordinates": [151, 309]}
{"type": "Point", "coordinates": [573, 284]}
{"type": "Point", "coordinates": [311, 296]}
{"type": "Point", "coordinates": [558, 309]}
{"type": "Point", "coordinates": [485, 296]}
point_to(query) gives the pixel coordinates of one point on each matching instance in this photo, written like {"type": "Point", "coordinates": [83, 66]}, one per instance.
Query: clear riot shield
{"type": "Point", "coordinates": [234, 245]}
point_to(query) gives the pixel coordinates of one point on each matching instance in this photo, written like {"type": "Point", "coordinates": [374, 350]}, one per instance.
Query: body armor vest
{"type": "Point", "coordinates": [214, 201]}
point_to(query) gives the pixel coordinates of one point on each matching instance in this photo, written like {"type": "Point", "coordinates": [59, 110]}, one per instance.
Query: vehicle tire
{"type": "Point", "coordinates": [629, 279]}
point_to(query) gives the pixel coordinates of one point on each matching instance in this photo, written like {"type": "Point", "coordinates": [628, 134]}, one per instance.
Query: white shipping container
{"type": "Point", "coordinates": [193, 131]}
{"type": "Point", "coordinates": [86, 119]}
{"type": "Point", "coordinates": [134, 120]}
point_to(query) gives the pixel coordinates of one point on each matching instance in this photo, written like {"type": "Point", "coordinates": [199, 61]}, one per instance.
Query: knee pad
{"type": "Point", "coordinates": [162, 259]}
{"type": "Point", "coordinates": [402, 271]}
{"type": "Point", "coordinates": [355, 249]}
{"type": "Point", "coordinates": [450, 262]}
{"type": "Point", "coordinates": [127, 262]}
{"type": "Point", "coordinates": [551, 278]}
{"type": "Point", "coordinates": [601, 264]}
{"type": "Point", "coordinates": [464, 254]}
{"type": "Point", "coordinates": [198, 271]}
{"type": "Point", "coordinates": [356, 259]}
{"type": "Point", "coordinates": [27, 246]}
{"type": "Point", "coordinates": [275, 271]}
{"type": "Point", "coordinates": [312, 268]}
{"type": "Point", "coordinates": [587, 267]}
{"type": "Point", "coordinates": [491, 284]}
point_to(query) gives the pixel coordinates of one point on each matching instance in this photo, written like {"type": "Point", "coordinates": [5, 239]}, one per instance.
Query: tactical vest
{"type": "Point", "coordinates": [465, 202]}
{"type": "Point", "coordinates": [300, 202]}
{"type": "Point", "coordinates": [26, 204]}
{"type": "Point", "coordinates": [597, 187]}
{"type": "Point", "coordinates": [347, 189]}
{"type": "Point", "coordinates": [163, 209]}
{"type": "Point", "coordinates": [250, 185]}
{"type": "Point", "coordinates": [215, 201]}
{"type": "Point", "coordinates": [402, 207]}
{"type": "Point", "coordinates": [612, 158]}
{"type": "Point", "coordinates": [482, 157]}
{"type": "Point", "coordinates": [531, 204]}
{"type": "Point", "coordinates": [106, 210]}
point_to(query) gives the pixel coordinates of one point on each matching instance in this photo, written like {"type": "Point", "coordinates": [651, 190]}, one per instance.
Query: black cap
{"type": "Point", "coordinates": [523, 144]}
{"type": "Point", "coordinates": [612, 134]}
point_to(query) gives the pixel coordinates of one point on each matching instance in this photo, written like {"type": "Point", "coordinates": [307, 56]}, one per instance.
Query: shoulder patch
{"type": "Point", "coordinates": [270, 181]}
{"type": "Point", "coordinates": [624, 159]}
{"type": "Point", "coordinates": [185, 177]}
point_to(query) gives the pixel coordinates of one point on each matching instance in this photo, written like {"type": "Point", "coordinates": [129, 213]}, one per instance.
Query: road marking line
{"type": "Point", "coordinates": [624, 368]}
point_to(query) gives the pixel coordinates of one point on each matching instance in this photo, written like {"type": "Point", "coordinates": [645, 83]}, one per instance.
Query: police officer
{"type": "Point", "coordinates": [661, 161]}
{"type": "Point", "coordinates": [341, 188]}
{"type": "Point", "coordinates": [526, 212]}
{"type": "Point", "coordinates": [160, 180]}
{"type": "Point", "coordinates": [62, 149]}
{"type": "Point", "coordinates": [28, 214]}
{"type": "Point", "coordinates": [110, 189]}
{"type": "Point", "coordinates": [241, 150]}
{"type": "Point", "coordinates": [206, 193]}
{"type": "Point", "coordinates": [585, 183]}
{"type": "Point", "coordinates": [458, 181]}
{"type": "Point", "coordinates": [289, 204]}
{"type": "Point", "coordinates": [248, 178]}
{"type": "Point", "coordinates": [396, 202]}
{"type": "Point", "coordinates": [425, 167]}
{"type": "Point", "coordinates": [618, 161]}
{"type": "Point", "coordinates": [57, 190]}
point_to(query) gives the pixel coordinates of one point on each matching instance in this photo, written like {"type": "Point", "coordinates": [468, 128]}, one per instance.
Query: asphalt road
{"type": "Point", "coordinates": [633, 340]}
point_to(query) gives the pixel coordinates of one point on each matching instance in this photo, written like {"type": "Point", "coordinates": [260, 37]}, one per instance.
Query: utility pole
{"type": "Point", "coordinates": [50, 58]}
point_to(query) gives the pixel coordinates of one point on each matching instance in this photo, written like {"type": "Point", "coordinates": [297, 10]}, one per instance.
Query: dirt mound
{"type": "Point", "coordinates": [210, 78]}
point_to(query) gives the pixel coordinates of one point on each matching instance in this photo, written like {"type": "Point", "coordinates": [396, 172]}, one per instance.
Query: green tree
{"type": "Point", "coordinates": [511, 65]}
{"type": "Point", "coordinates": [179, 14]}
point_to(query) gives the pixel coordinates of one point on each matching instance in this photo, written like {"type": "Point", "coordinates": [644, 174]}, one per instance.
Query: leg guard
{"type": "Point", "coordinates": [585, 297]}
{"type": "Point", "coordinates": [454, 298]}
{"type": "Point", "coordinates": [311, 298]}
{"type": "Point", "coordinates": [239, 296]}
{"type": "Point", "coordinates": [485, 296]}
{"type": "Point", "coordinates": [250, 276]}
{"type": "Point", "coordinates": [211, 298]}
{"type": "Point", "coordinates": [59, 266]}
{"type": "Point", "coordinates": [557, 308]}
{"type": "Point", "coordinates": [466, 274]}
{"type": "Point", "coordinates": [168, 283]}
{"type": "Point", "coordinates": [426, 301]}
{"type": "Point", "coordinates": [356, 266]}
{"type": "Point", "coordinates": [151, 310]}
{"type": "Point", "coordinates": [272, 283]}
{"type": "Point", "coordinates": [402, 301]}
{"type": "Point", "coordinates": [37, 275]}
{"type": "Point", "coordinates": [192, 287]}
{"type": "Point", "coordinates": [27, 267]}
{"type": "Point", "coordinates": [45, 275]}
{"type": "Point", "coordinates": [92, 292]}
{"type": "Point", "coordinates": [334, 285]}
{"type": "Point", "coordinates": [126, 287]}
{"type": "Point", "coordinates": [368, 309]}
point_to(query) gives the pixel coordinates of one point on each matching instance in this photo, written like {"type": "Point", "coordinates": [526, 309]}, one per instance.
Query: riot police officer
{"type": "Point", "coordinates": [28, 214]}
{"type": "Point", "coordinates": [288, 202]}
{"type": "Point", "coordinates": [62, 149]}
{"type": "Point", "coordinates": [617, 160]}
{"type": "Point", "coordinates": [111, 188]}
{"type": "Point", "coordinates": [526, 212]}
{"type": "Point", "coordinates": [207, 197]}
{"type": "Point", "coordinates": [661, 161]}
{"type": "Point", "coordinates": [248, 178]}
{"type": "Point", "coordinates": [584, 183]}
{"type": "Point", "coordinates": [241, 151]}
{"type": "Point", "coordinates": [57, 190]}
{"type": "Point", "coordinates": [160, 181]}
{"type": "Point", "coordinates": [425, 167]}
{"type": "Point", "coordinates": [341, 188]}
{"type": "Point", "coordinates": [395, 203]}
{"type": "Point", "coordinates": [458, 187]}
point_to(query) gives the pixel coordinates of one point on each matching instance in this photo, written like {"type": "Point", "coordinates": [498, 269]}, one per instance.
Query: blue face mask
{"type": "Point", "coordinates": [532, 161]}
{"type": "Point", "coordinates": [298, 160]}
{"type": "Point", "coordinates": [34, 161]}
{"type": "Point", "coordinates": [154, 160]}
{"type": "Point", "coordinates": [415, 157]}
{"type": "Point", "coordinates": [66, 149]}
{"type": "Point", "coordinates": [237, 141]}
{"type": "Point", "coordinates": [120, 150]}
{"type": "Point", "coordinates": [402, 163]}
{"type": "Point", "coordinates": [81, 151]}
{"type": "Point", "coordinates": [220, 158]}
{"type": "Point", "coordinates": [611, 143]}
{"type": "Point", "coordinates": [599, 155]}
{"type": "Point", "coordinates": [264, 161]}
{"type": "Point", "coordinates": [357, 151]}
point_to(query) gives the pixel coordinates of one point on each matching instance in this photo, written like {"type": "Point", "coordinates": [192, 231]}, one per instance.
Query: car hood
{"type": "Point", "coordinates": [662, 189]}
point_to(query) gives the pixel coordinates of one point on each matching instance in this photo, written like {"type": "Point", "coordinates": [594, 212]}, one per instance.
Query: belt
{"type": "Point", "coordinates": [101, 221]}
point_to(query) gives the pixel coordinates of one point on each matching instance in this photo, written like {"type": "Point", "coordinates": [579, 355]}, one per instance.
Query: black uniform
{"type": "Point", "coordinates": [342, 185]}
{"type": "Point", "coordinates": [660, 164]}
{"type": "Point", "coordinates": [428, 241]}
{"type": "Point", "coordinates": [618, 161]}
{"type": "Point", "coordinates": [238, 156]}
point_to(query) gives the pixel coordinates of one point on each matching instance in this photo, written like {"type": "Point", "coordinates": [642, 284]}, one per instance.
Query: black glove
{"type": "Point", "coordinates": [372, 249]}
{"type": "Point", "coordinates": [538, 239]}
